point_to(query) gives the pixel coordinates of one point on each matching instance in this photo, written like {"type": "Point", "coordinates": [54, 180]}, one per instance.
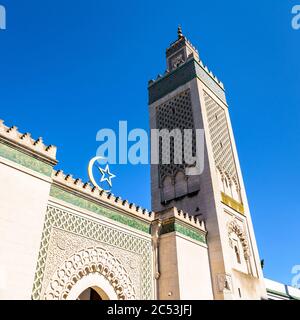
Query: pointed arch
{"type": "Point", "coordinates": [234, 227]}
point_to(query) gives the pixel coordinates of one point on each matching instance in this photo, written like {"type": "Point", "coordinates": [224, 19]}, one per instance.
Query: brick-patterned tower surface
{"type": "Point", "coordinates": [189, 96]}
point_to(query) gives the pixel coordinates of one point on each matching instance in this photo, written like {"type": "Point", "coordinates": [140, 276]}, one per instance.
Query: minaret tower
{"type": "Point", "coordinates": [189, 96]}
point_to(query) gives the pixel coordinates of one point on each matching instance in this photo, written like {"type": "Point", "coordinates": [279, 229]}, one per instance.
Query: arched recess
{"type": "Point", "coordinates": [234, 227]}
{"type": "Point", "coordinates": [227, 184]}
{"type": "Point", "coordinates": [168, 192]}
{"type": "Point", "coordinates": [91, 267]}
{"type": "Point", "coordinates": [236, 194]}
{"type": "Point", "coordinates": [180, 184]}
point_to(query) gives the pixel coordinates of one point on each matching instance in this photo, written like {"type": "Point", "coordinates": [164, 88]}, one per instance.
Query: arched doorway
{"type": "Point", "coordinates": [92, 287]}
{"type": "Point", "coordinates": [89, 294]}
{"type": "Point", "coordinates": [94, 268]}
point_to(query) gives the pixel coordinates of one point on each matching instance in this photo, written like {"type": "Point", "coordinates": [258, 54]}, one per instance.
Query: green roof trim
{"type": "Point", "coordinates": [25, 160]}
{"type": "Point", "coordinates": [80, 202]}
{"type": "Point", "coordinates": [183, 74]}
{"type": "Point", "coordinates": [186, 230]}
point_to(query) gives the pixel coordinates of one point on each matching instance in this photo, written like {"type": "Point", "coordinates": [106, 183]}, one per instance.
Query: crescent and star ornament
{"type": "Point", "coordinates": [106, 174]}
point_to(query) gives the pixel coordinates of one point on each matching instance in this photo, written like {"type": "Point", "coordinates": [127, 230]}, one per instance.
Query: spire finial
{"type": "Point", "coordinates": [179, 32]}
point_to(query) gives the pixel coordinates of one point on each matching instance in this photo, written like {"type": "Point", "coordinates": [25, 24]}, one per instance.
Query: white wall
{"type": "Point", "coordinates": [184, 268]}
{"type": "Point", "coordinates": [23, 199]}
{"type": "Point", "coordinates": [193, 269]}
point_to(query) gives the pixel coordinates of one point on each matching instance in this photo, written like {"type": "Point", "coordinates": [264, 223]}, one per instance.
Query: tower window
{"type": "Point", "coordinates": [237, 254]}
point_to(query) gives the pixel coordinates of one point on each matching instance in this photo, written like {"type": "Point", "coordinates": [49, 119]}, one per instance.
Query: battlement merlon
{"type": "Point", "coordinates": [184, 73]}
{"type": "Point", "coordinates": [86, 190]}
{"type": "Point", "coordinates": [24, 142]}
{"type": "Point", "coordinates": [180, 216]}
{"type": "Point", "coordinates": [176, 222]}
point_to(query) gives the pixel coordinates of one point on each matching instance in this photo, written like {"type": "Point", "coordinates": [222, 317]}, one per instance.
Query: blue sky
{"type": "Point", "coordinates": [70, 68]}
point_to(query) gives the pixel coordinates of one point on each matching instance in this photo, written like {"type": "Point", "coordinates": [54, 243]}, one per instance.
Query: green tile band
{"type": "Point", "coordinates": [185, 230]}
{"type": "Point", "coordinates": [93, 207]}
{"type": "Point", "coordinates": [25, 160]}
{"type": "Point", "coordinates": [180, 76]}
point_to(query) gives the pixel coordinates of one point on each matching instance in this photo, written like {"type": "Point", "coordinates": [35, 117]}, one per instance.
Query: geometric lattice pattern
{"type": "Point", "coordinates": [220, 139]}
{"type": "Point", "coordinates": [176, 113]}
{"type": "Point", "coordinates": [70, 222]}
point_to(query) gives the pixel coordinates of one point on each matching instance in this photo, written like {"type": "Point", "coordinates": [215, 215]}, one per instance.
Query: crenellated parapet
{"type": "Point", "coordinates": [172, 219]}
{"type": "Point", "coordinates": [84, 194]}
{"type": "Point", "coordinates": [24, 142]}
{"type": "Point", "coordinates": [211, 74]}
{"type": "Point", "coordinates": [199, 63]}
{"type": "Point", "coordinates": [189, 68]}
{"type": "Point", "coordinates": [85, 189]}
{"type": "Point", "coordinates": [191, 220]}
{"type": "Point", "coordinates": [181, 216]}
{"type": "Point", "coordinates": [175, 220]}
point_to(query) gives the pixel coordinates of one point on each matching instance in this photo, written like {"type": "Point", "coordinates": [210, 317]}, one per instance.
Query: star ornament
{"type": "Point", "coordinates": [106, 175]}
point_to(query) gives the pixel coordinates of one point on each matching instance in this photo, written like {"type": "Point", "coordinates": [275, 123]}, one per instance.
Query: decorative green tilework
{"type": "Point", "coordinates": [167, 228]}
{"type": "Point", "coordinates": [180, 76]}
{"type": "Point", "coordinates": [91, 206]}
{"type": "Point", "coordinates": [172, 81]}
{"type": "Point", "coordinates": [185, 230]}
{"type": "Point", "coordinates": [25, 160]}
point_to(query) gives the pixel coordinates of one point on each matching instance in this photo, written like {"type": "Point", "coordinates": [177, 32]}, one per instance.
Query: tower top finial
{"type": "Point", "coordinates": [179, 32]}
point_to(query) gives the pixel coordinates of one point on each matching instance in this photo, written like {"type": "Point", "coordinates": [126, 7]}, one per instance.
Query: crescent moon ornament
{"type": "Point", "coordinates": [106, 174]}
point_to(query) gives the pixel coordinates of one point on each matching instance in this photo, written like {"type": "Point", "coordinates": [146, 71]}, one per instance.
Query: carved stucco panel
{"type": "Point", "coordinates": [63, 245]}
